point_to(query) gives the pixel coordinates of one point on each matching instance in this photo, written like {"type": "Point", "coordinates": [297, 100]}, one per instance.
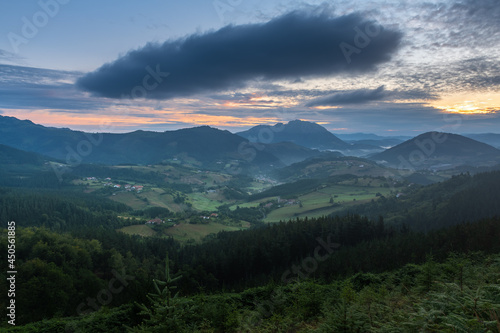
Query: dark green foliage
{"type": "Point", "coordinates": [152, 212]}
{"type": "Point", "coordinates": [253, 215]}
{"type": "Point", "coordinates": [59, 210]}
{"type": "Point", "coordinates": [336, 306]}
{"type": "Point", "coordinates": [167, 312]}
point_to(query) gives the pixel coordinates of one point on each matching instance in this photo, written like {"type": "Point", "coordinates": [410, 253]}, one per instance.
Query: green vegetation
{"type": "Point", "coordinates": [363, 285]}
{"type": "Point", "coordinates": [397, 256]}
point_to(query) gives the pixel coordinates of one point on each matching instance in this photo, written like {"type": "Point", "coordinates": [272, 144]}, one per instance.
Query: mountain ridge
{"type": "Point", "coordinates": [303, 133]}
{"type": "Point", "coordinates": [203, 144]}
{"type": "Point", "coordinates": [438, 150]}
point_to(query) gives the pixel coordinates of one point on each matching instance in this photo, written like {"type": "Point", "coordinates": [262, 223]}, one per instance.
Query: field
{"type": "Point", "coordinates": [208, 187]}
{"type": "Point", "coordinates": [186, 232]}
{"type": "Point", "coordinates": [129, 199]}
{"type": "Point", "coordinates": [206, 201]}
{"type": "Point", "coordinates": [317, 203]}
{"type": "Point", "coordinates": [139, 229]}
{"type": "Point", "coordinates": [206, 196]}
{"type": "Point", "coordinates": [183, 232]}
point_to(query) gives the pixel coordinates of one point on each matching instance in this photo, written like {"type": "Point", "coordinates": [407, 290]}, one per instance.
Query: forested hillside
{"type": "Point", "coordinates": [463, 198]}
{"type": "Point", "coordinates": [444, 291]}
{"type": "Point", "coordinates": [399, 255]}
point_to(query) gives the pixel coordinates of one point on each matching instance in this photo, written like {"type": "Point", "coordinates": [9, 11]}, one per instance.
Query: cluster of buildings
{"type": "Point", "coordinates": [208, 217]}
{"type": "Point", "coordinates": [155, 221]}
{"type": "Point", "coordinates": [283, 202]}
{"type": "Point", "coordinates": [127, 187]}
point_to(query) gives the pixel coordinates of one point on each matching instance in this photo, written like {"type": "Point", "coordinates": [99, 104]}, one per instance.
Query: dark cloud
{"type": "Point", "coordinates": [363, 96]}
{"type": "Point", "coordinates": [298, 44]}
{"type": "Point", "coordinates": [351, 97]}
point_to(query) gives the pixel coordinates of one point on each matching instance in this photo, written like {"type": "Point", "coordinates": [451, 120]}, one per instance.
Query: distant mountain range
{"type": "Point", "coordinates": [436, 150]}
{"type": "Point", "coordinates": [370, 136]}
{"type": "Point", "coordinates": [307, 134]}
{"type": "Point", "coordinates": [199, 144]}
{"type": "Point", "coordinates": [262, 146]}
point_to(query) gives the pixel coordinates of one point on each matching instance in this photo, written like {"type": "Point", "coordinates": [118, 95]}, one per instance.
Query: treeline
{"type": "Point", "coordinates": [70, 275]}
{"type": "Point", "coordinates": [59, 209]}
{"type": "Point", "coordinates": [63, 270]}
{"type": "Point", "coordinates": [458, 294]}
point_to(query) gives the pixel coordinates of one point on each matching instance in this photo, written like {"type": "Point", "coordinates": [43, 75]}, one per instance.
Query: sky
{"type": "Point", "coordinates": [383, 67]}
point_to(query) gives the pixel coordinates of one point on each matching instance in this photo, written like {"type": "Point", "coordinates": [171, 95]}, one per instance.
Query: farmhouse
{"type": "Point", "coordinates": [155, 221]}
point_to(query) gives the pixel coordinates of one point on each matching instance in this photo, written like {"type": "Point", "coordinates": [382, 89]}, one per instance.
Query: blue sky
{"type": "Point", "coordinates": [385, 67]}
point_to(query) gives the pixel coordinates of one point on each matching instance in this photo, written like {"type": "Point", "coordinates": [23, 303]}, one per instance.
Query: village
{"type": "Point", "coordinates": [107, 182]}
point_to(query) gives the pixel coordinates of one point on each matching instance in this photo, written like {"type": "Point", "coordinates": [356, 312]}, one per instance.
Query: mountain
{"type": "Point", "coordinates": [492, 139]}
{"type": "Point", "coordinates": [436, 150]}
{"type": "Point", "coordinates": [303, 133]}
{"type": "Point", "coordinates": [195, 145]}
{"type": "Point", "coordinates": [307, 134]}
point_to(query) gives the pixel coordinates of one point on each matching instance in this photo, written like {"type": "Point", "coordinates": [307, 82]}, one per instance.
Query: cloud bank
{"type": "Point", "coordinates": [297, 44]}
{"type": "Point", "coordinates": [352, 97]}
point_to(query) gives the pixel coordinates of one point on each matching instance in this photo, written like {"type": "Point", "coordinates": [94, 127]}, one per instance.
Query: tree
{"type": "Point", "coordinates": [168, 312]}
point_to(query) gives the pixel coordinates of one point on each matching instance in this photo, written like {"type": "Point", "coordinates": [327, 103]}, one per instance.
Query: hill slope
{"type": "Point", "coordinates": [435, 150]}
{"type": "Point", "coordinates": [25, 169]}
{"type": "Point", "coordinates": [11, 156]}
